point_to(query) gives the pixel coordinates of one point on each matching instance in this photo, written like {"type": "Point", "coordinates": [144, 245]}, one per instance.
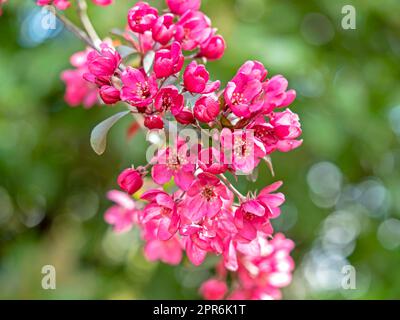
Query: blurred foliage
{"type": "Point", "coordinates": [342, 186]}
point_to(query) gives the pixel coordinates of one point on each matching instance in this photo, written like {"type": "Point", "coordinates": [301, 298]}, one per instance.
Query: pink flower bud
{"type": "Point", "coordinates": [163, 29]}
{"type": "Point", "coordinates": [185, 117]}
{"type": "Point", "coordinates": [214, 48]}
{"type": "Point", "coordinates": [196, 77]}
{"type": "Point", "coordinates": [153, 122]}
{"type": "Point", "coordinates": [213, 289]}
{"type": "Point", "coordinates": [168, 61]}
{"type": "Point", "coordinates": [130, 180]}
{"type": "Point", "coordinates": [179, 7]}
{"type": "Point", "coordinates": [102, 2]}
{"type": "Point", "coordinates": [206, 109]}
{"type": "Point", "coordinates": [142, 17]}
{"type": "Point", "coordinates": [109, 94]}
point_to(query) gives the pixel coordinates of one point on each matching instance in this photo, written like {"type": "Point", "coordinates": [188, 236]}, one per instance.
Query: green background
{"type": "Point", "coordinates": [342, 186]}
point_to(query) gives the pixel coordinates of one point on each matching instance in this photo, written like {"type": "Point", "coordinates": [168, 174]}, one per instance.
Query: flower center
{"type": "Point", "coordinates": [265, 135]}
{"type": "Point", "coordinates": [208, 193]}
{"type": "Point", "coordinates": [241, 149]}
{"type": "Point", "coordinates": [238, 98]}
{"type": "Point", "coordinates": [165, 212]}
{"type": "Point", "coordinates": [142, 90]}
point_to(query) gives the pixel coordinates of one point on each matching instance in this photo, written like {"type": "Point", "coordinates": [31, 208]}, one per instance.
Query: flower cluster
{"type": "Point", "coordinates": [201, 213]}
{"type": "Point", "coordinates": [65, 4]}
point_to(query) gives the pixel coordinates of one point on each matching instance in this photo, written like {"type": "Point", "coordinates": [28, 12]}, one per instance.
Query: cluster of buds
{"type": "Point", "coordinates": [201, 213]}
{"type": "Point", "coordinates": [65, 4]}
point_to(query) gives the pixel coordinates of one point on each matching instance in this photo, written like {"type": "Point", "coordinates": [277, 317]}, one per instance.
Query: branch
{"type": "Point", "coordinates": [232, 188]}
{"type": "Point", "coordinates": [87, 24]}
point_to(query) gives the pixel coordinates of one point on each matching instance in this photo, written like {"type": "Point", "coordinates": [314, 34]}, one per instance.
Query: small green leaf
{"type": "Point", "coordinates": [98, 137]}
{"type": "Point", "coordinates": [148, 61]}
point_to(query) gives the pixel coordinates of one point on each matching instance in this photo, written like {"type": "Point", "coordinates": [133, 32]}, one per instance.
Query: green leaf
{"type": "Point", "coordinates": [148, 61]}
{"type": "Point", "coordinates": [98, 137]}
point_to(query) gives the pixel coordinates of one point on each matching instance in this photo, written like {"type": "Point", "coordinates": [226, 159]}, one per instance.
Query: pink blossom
{"type": "Point", "coordinates": [161, 210]}
{"type": "Point", "coordinates": [275, 94]}
{"type": "Point", "coordinates": [280, 133]}
{"type": "Point", "coordinates": [211, 160]}
{"type": "Point", "coordinates": [153, 122]}
{"type": "Point", "coordinates": [59, 4]}
{"type": "Point", "coordinates": [206, 109]}
{"type": "Point", "coordinates": [179, 7]}
{"type": "Point", "coordinates": [213, 289]}
{"type": "Point", "coordinates": [193, 29]}
{"type": "Point", "coordinates": [205, 197]}
{"type": "Point", "coordinates": [138, 89]}
{"type": "Point", "coordinates": [185, 116]}
{"type": "Point", "coordinates": [214, 48]}
{"type": "Point", "coordinates": [174, 162]}
{"type": "Point", "coordinates": [78, 91]}
{"type": "Point", "coordinates": [169, 98]}
{"type": "Point", "coordinates": [130, 180]}
{"type": "Point", "coordinates": [122, 215]}
{"type": "Point", "coordinates": [109, 94]}
{"type": "Point", "coordinates": [142, 17]}
{"type": "Point", "coordinates": [168, 61]}
{"type": "Point", "coordinates": [164, 28]}
{"type": "Point", "coordinates": [253, 215]}
{"type": "Point", "coordinates": [196, 79]}
{"type": "Point", "coordinates": [102, 65]}
{"type": "Point", "coordinates": [246, 151]}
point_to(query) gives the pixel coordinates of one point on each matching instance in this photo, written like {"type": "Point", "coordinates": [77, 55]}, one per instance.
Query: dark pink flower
{"type": "Point", "coordinates": [174, 162]}
{"type": "Point", "coordinates": [138, 89]}
{"type": "Point", "coordinates": [193, 29]}
{"type": "Point", "coordinates": [164, 28]}
{"type": "Point", "coordinates": [142, 17]}
{"type": "Point", "coordinates": [206, 109]}
{"type": "Point", "coordinates": [103, 64]}
{"type": "Point", "coordinates": [185, 117]}
{"type": "Point", "coordinates": [169, 98]}
{"type": "Point", "coordinates": [253, 215]}
{"type": "Point", "coordinates": [122, 215]}
{"type": "Point", "coordinates": [214, 48]}
{"type": "Point", "coordinates": [196, 79]}
{"type": "Point", "coordinates": [213, 289]}
{"type": "Point", "coordinates": [59, 4]}
{"type": "Point", "coordinates": [179, 7]}
{"type": "Point", "coordinates": [280, 133]}
{"type": "Point", "coordinates": [153, 122]}
{"type": "Point", "coordinates": [211, 160]}
{"type": "Point", "coordinates": [102, 2]}
{"type": "Point", "coordinates": [130, 180]}
{"type": "Point", "coordinates": [168, 61]}
{"type": "Point", "coordinates": [161, 210]}
{"type": "Point", "coordinates": [109, 94]}
{"type": "Point", "coordinates": [205, 197]}
{"type": "Point", "coordinates": [275, 94]}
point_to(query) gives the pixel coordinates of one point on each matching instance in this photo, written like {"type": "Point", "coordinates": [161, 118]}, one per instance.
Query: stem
{"type": "Point", "coordinates": [87, 24]}
{"type": "Point", "coordinates": [232, 188]}
{"type": "Point", "coordinates": [74, 29]}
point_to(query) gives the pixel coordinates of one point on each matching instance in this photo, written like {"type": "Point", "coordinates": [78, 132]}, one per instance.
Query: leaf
{"type": "Point", "coordinates": [268, 160]}
{"type": "Point", "coordinates": [98, 137]}
{"type": "Point", "coordinates": [148, 61]}
{"type": "Point", "coordinates": [125, 51]}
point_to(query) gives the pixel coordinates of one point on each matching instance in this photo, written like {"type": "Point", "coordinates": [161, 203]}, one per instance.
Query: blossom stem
{"type": "Point", "coordinates": [232, 188]}
{"type": "Point", "coordinates": [87, 24]}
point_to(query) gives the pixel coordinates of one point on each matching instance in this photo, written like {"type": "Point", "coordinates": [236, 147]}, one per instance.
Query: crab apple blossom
{"type": "Point", "coordinates": [130, 180]}
{"type": "Point", "coordinates": [109, 94]}
{"type": "Point", "coordinates": [192, 208]}
{"type": "Point", "coordinates": [163, 29]}
{"type": "Point", "coordinates": [206, 109]}
{"type": "Point", "coordinates": [214, 48]}
{"type": "Point", "coordinates": [78, 91]}
{"type": "Point", "coordinates": [174, 162]}
{"type": "Point", "coordinates": [138, 89]}
{"type": "Point", "coordinates": [153, 122]}
{"type": "Point", "coordinates": [142, 17]}
{"type": "Point", "coordinates": [168, 62]}
{"type": "Point", "coordinates": [193, 29]}
{"type": "Point", "coordinates": [123, 215]}
{"type": "Point", "coordinates": [196, 79]}
{"type": "Point", "coordinates": [169, 98]}
{"type": "Point", "coordinates": [181, 6]}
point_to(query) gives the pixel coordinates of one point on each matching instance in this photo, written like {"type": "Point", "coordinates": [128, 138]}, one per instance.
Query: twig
{"type": "Point", "coordinates": [232, 188]}
{"type": "Point", "coordinates": [87, 24]}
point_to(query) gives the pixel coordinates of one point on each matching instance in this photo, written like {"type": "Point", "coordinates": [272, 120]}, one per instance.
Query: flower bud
{"type": "Point", "coordinates": [185, 117]}
{"type": "Point", "coordinates": [130, 180]}
{"type": "Point", "coordinates": [214, 48]}
{"type": "Point", "coordinates": [206, 109]}
{"type": "Point", "coordinates": [153, 122]}
{"type": "Point", "coordinates": [109, 94]}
